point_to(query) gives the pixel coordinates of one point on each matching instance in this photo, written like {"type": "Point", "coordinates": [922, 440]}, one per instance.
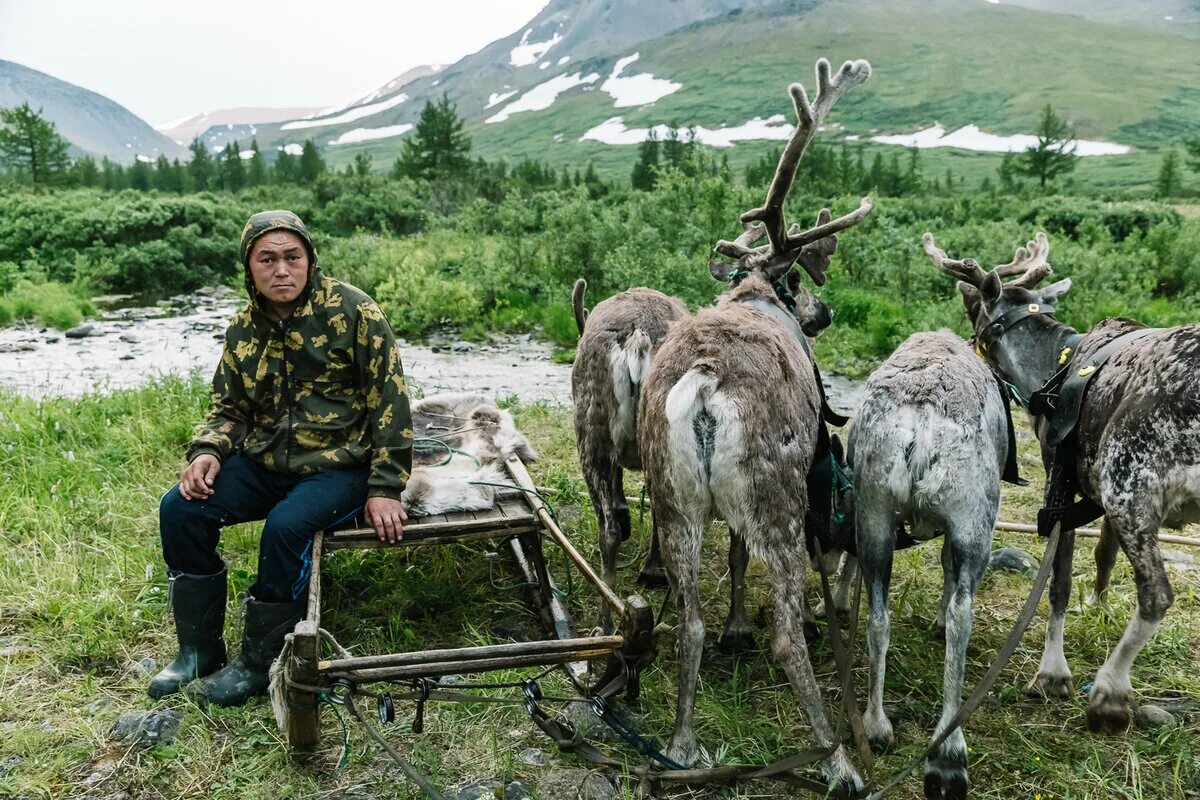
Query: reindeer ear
{"type": "Point", "coordinates": [1051, 293]}
{"type": "Point", "coordinates": [971, 299]}
{"type": "Point", "coordinates": [991, 287]}
{"type": "Point", "coordinates": [721, 270]}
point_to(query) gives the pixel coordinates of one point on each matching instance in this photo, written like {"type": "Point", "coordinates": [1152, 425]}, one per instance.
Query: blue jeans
{"type": "Point", "coordinates": [294, 507]}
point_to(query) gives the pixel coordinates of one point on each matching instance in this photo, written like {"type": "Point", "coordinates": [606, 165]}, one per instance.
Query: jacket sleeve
{"type": "Point", "coordinates": [229, 419]}
{"type": "Point", "coordinates": [389, 420]}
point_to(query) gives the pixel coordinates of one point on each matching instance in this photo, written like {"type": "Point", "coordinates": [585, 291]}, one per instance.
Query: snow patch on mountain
{"type": "Point", "coordinates": [613, 131]}
{"type": "Point", "coordinates": [543, 95]}
{"type": "Point", "coordinates": [970, 137]}
{"type": "Point", "coordinates": [636, 90]}
{"type": "Point", "coordinates": [293, 149]}
{"type": "Point", "coordinates": [527, 53]}
{"type": "Point", "coordinates": [495, 98]}
{"type": "Point", "coordinates": [368, 134]}
{"type": "Point", "coordinates": [348, 116]}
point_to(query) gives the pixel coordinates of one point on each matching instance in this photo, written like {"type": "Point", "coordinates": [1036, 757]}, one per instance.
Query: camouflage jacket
{"type": "Point", "coordinates": [323, 389]}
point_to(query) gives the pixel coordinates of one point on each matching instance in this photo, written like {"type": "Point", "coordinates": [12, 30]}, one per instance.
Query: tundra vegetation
{"type": "Point", "coordinates": [84, 590]}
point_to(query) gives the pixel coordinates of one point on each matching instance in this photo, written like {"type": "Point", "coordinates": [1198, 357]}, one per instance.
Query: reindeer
{"type": "Point", "coordinates": [730, 419]}
{"type": "Point", "coordinates": [612, 359]}
{"type": "Point", "coordinates": [927, 450]}
{"type": "Point", "coordinates": [1136, 445]}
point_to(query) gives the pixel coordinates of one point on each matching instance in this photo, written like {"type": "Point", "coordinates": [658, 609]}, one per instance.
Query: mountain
{"type": "Point", "coordinates": [585, 79]}
{"type": "Point", "coordinates": [184, 130]}
{"type": "Point", "coordinates": [91, 122]}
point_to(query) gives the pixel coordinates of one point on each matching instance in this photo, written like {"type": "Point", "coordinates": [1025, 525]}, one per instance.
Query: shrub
{"type": "Point", "coordinates": [50, 304]}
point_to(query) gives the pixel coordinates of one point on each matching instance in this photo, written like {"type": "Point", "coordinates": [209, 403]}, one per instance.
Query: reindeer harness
{"type": "Point", "coordinates": [1058, 403]}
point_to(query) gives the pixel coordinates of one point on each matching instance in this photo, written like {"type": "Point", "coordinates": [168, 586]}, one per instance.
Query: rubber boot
{"type": "Point", "coordinates": [198, 604]}
{"type": "Point", "coordinates": [262, 639]}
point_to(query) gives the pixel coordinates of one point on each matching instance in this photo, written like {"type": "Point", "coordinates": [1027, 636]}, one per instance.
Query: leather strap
{"type": "Point", "coordinates": [988, 336]}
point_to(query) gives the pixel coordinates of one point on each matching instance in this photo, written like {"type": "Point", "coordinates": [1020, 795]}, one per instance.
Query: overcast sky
{"type": "Point", "coordinates": [164, 60]}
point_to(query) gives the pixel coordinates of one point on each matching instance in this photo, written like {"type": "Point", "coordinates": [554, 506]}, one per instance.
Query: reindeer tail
{"type": "Point", "coordinates": [581, 313]}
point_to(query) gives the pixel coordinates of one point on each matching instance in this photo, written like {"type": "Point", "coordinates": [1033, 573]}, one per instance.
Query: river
{"type": "Point", "coordinates": [128, 346]}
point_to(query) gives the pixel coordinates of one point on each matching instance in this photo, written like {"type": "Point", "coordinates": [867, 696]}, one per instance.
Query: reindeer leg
{"type": "Point", "coordinates": [841, 589]}
{"type": "Point", "coordinates": [948, 581]}
{"type": "Point", "coordinates": [1105, 554]}
{"type": "Point", "coordinates": [682, 559]}
{"type": "Point", "coordinates": [737, 637]}
{"type": "Point", "coordinates": [602, 476]}
{"type": "Point", "coordinates": [1054, 675]}
{"type": "Point", "coordinates": [946, 769]}
{"type": "Point", "coordinates": [786, 566]}
{"type": "Point", "coordinates": [875, 551]}
{"type": "Point", "coordinates": [1108, 705]}
{"type": "Point", "coordinates": [653, 575]}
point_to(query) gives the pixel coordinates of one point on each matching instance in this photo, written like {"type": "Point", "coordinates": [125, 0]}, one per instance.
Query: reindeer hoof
{"type": "Point", "coordinates": [1051, 687]}
{"type": "Point", "coordinates": [879, 732]}
{"type": "Point", "coordinates": [652, 577]}
{"type": "Point", "coordinates": [1096, 599]}
{"type": "Point", "coordinates": [946, 786]}
{"type": "Point", "coordinates": [946, 770]}
{"type": "Point", "coordinates": [736, 641]}
{"type": "Point", "coordinates": [1108, 712]}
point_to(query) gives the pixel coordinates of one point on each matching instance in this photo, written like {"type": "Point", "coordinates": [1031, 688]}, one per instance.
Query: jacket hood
{"type": "Point", "coordinates": [279, 220]}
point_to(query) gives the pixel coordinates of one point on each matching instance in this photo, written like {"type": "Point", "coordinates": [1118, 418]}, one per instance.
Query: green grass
{"type": "Point", "coordinates": [53, 304]}
{"type": "Point", "coordinates": [83, 599]}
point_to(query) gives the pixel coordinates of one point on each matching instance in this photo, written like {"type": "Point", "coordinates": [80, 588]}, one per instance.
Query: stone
{"type": "Point", "coordinates": [518, 790]}
{"type": "Point", "coordinates": [1010, 559]}
{"type": "Point", "coordinates": [144, 667]}
{"type": "Point", "coordinates": [18, 347]}
{"type": "Point", "coordinates": [52, 338]}
{"type": "Point", "coordinates": [575, 783]}
{"type": "Point", "coordinates": [93, 779]}
{"type": "Point", "coordinates": [147, 728]}
{"type": "Point", "coordinates": [462, 347]}
{"type": "Point", "coordinates": [80, 332]}
{"type": "Point", "coordinates": [128, 357]}
{"type": "Point", "coordinates": [1152, 716]}
{"type": "Point", "coordinates": [128, 337]}
{"type": "Point", "coordinates": [98, 705]}
{"type": "Point", "coordinates": [480, 790]}
{"type": "Point", "coordinates": [532, 756]}
{"type": "Point", "coordinates": [1179, 558]}
{"type": "Point", "coordinates": [7, 764]}
{"type": "Point", "coordinates": [120, 794]}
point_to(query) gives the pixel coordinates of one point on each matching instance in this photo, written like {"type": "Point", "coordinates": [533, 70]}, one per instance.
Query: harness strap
{"type": "Point", "coordinates": [988, 336]}
{"type": "Point", "coordinates": [1011, 473]}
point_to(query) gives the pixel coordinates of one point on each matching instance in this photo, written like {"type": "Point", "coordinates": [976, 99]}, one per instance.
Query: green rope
{"type": "Point", "coordinates": [838, 516]}
{"type": "Point", "coordinates": [559, 593]}
{"type": "Point", "coordinates": [1016, 394]}
{"type": "Point", "coordinates": [426, 443]}
{"type": "Point", "coordinates": [344, 758]}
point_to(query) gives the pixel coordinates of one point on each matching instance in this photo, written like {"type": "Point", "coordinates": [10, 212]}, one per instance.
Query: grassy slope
{"type": "Point", "coordinates": [959, 63]}
{"type": "Point", "coordinates": [78, 526]}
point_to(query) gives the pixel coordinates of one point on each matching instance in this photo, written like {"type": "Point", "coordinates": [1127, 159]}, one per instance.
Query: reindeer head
{"type": "Point", "coordinates": [788, 246]}
{"type": "Point", "coordinates": [994, 306]}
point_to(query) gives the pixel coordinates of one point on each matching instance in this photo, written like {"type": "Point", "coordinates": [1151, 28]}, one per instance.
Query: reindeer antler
{"type": "Point", "coordinates": [967, 270]}
{"type": "Point", "coordinates": [1029, 262]}
{"type": "Point", "coordinates": [787, 245]}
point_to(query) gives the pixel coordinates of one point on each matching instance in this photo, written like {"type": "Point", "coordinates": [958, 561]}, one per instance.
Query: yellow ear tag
{"type": "Point", "coordinates": [1034, 308]}
{"type": "Point", "coordinates": [1083, 373]}
{"type": "Point", "coordinates": [981, 350]}
{"type": "Point", "coordinates": [1064, 356]}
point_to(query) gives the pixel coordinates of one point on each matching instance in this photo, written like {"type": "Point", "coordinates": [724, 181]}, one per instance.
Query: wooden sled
{"type": "Point", "coordinates": [526, 520]}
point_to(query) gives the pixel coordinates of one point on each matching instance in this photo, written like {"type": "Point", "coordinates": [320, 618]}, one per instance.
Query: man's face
{"type": "Point", "coordinates": [279, 266]}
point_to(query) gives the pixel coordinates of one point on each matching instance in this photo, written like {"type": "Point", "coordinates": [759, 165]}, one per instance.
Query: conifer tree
{"type": "Point", "coordinates": [256, 175]}
{"type": "Point", "coordinates": [311, 164]}
{"type": "Point", "coordinates": [30, 146]}
{"type": "Point", "coordinates": [362, 165]}
{"type": "Point", "coordinates": [1192, 146]}
{"type": "Point", "coordinates": [1054, 153]}
{"type": "Point", "coordinates": [141, 176]}
{"type": "Point", "coordinates": [200, 168]}
{"type": "Point", "coordinates": [286, 168]}
{"type": "Point", "coordinates": [112, 176]}
{"type": "Point", "coordinates": [437, 148]}
{"type": "Point", "coordinates": [233, 172]}
{"type": "Point", "coordinates": [164, 176]}
{"type": "Point", "coordinates": [645, 170]}
{"type": "Point", "coordinates": [1167, 184]}
{"type": "Point", "coordinates": [85, 173]}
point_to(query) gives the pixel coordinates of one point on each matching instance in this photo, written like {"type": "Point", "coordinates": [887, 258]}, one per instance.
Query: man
{"type": "Point", "coordinates": [309, 419]}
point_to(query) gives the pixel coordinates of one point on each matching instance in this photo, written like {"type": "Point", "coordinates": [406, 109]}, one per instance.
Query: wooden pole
{"type": "Point", "coordinates": [464, 654]}
{"type": "Point", "coordinates": [516, 468]}
{"type": "Point", "coordinates": [560, 620]}
{"type": "Point", "coordinates": [458, 667]}
{"type": "Point", "coordinates": [303, 732]}
{"type": "Point", "coordinates": [1094, 533]}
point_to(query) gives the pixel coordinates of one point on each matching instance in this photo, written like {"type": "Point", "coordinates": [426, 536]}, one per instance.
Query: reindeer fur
{"type": "Point", "coordinates": [729, 426]}
{"type": "Point", "coordinates": [927, 451]}
{"type": "Point", "coordinates": [1137, 455]}
{"type": "Point", "coordinates": [473, 424]}
{"type": "Point", "coordinates": [616, 343]}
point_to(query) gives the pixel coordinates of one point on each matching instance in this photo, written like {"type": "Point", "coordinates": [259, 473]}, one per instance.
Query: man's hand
{"type": "Point", "coordinates": [387, 517]}
{"type": "Point", "coordinates": [197, 479]}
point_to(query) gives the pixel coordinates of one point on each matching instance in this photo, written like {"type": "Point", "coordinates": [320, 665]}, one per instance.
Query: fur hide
{"type": "Point", "coordinates": [470, 423]}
